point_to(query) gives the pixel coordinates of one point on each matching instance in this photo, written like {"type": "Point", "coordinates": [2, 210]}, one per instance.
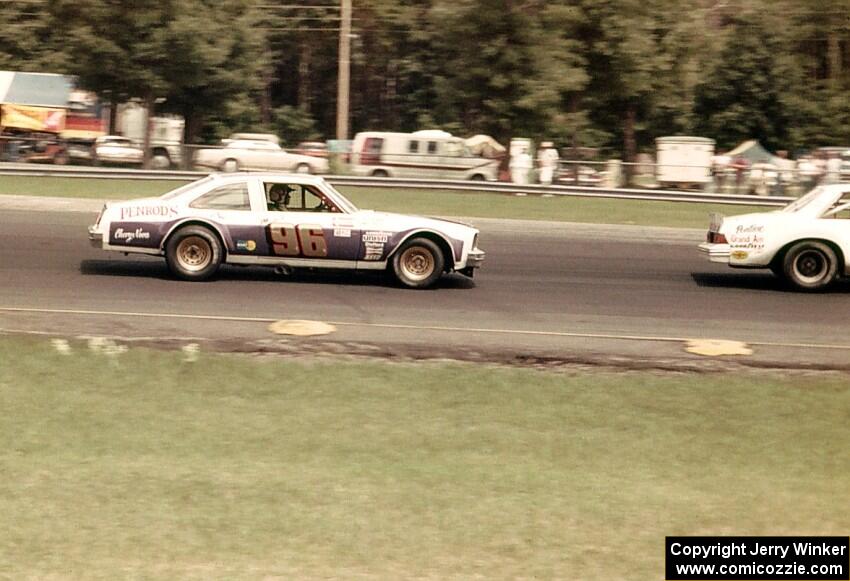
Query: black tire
{"type": "Point", "coordinates": [193, 253]}
{"type": "Point", "coordinates": [418, 263]}
{"type": "Point", "coordinates": [477, 177]}
{"type": "Point", "coordinates": [810, 266]}
{"type": "Point", "coordinates": [380, 173]}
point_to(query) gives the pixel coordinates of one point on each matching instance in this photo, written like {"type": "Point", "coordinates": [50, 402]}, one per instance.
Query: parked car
{"type": "Point", "coordinates": [258, 155]}
{"type": "Point", "coordinates": [117, 149]}
{"type": "Point", "coordinates": [587, 176]}
{"type": "Point", "coordinates": [423, 154]}
{"type": "Point", "coordinates": [314, 148]}
{"type": "Point", "coordinates": [284, 221]}
{"type": "Point", "coordinates": [807, 242]}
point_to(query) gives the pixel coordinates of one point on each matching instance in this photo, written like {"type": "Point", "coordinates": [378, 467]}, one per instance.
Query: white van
{"type": "Point", "coordinates": [423, 155]}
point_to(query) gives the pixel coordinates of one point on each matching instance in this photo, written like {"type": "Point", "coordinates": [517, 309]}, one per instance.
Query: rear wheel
{"type": "Point", "coordinates": [810, 266]}
{"type": "Point", "coordinates": [193, 253]}
{"type": "Point", "coordinates": [160, 161]}
{"type": "Point", "coordinates": [230, 165]}
{"type": "Point", "coordinates": [379, 173]}
{"type": "Point", "coordinates": [418, 263]}
{"type": "Point", "coordinates": [302, 168]}
{"type": "Point", "coordinates": [477, 177]}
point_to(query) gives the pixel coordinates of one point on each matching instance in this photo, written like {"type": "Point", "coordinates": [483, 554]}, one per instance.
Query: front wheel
{"type": "Point", "coordinates": [193, 253]}
{"type": "Point", "coordinates": [230, 166]}
{"type": "Point", "coordinates": [302, 168]}
{"type": "Point", "coordinates": [418, 263]}
{"type": "Point", "coordinates": [810, 266]}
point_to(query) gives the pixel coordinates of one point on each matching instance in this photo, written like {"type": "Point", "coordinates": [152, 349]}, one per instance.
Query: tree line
{"type": "Point", "coordinates": [606, 74]}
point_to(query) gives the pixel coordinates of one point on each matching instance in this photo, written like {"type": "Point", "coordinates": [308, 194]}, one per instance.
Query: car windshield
{"type": "Point", "coordinates": [344, 203]}
{"type": "Point", "coordinates": [185, 188]}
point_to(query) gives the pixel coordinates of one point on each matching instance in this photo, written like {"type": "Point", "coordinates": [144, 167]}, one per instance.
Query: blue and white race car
{"type": "Point", "coordinates": [285, 221]}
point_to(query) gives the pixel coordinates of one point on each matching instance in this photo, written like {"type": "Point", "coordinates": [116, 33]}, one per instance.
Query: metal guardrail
{"type": "Point", "coordinates": [11, 169]}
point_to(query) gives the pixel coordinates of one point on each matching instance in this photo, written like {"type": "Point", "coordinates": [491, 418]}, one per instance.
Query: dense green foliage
{"type": "Point", "coordinates": [613, 74]}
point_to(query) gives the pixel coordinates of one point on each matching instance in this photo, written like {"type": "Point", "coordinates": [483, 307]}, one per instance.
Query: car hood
{"type": "Point", "coordinates": [392, 221]}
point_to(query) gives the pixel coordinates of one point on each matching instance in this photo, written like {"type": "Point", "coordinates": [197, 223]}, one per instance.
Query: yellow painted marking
{"type": "Point", "coordinates": [717, 347]}
{"type": "Point", "coordinates": [301, 328]}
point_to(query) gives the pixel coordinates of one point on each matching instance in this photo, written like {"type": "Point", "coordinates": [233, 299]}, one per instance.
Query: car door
{"type": "Point", "coordinates": [308, 229]}
{"type": "Point", "coordinates": [228, 206]}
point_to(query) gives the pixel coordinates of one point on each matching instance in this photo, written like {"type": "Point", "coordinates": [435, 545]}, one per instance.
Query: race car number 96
{"type": "Point", "coordinates": [302, 240]}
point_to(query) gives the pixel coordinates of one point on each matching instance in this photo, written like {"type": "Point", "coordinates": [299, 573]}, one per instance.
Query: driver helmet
{"type": "Point", "coordinates": [280, 194]}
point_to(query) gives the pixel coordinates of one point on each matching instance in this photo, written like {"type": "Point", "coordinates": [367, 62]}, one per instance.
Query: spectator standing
{"type": "Point", "coordinates": [833, 169]}
{"type": "Point", "coordinates": [808, 173]}
{"type": "Point", "coordinates": [719, 168]}
{"type": "Point", "coordinates": [740, 166]}
{"type": "Point", "coordinates": [520, 167]}
{"type": "Point", "coordinates": [787, 169]}
{"type": "Point", "coordinates": [547, 161]}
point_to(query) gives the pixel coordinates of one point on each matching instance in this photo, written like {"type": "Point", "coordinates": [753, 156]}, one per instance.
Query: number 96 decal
{"type": "Point", "coordinates": [302, 240]}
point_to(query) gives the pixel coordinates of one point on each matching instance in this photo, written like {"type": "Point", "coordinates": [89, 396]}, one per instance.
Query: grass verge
{"type": "Point", "coordinates": [427, 202]}
{"type": "Point", "coordinates": [146, 466]}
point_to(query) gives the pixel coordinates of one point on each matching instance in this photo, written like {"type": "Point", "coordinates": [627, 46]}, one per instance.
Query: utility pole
{"type": "Point", "coordinates": [344, 70]}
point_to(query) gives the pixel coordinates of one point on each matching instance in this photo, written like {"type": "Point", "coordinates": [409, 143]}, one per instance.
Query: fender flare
{"type": "Point", "coordinates": [195, 222]}
{"type": "Point", "coordinates": [439, 238]}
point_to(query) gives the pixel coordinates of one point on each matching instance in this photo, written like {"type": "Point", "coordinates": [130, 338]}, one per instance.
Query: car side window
{"type": "Point", "coordinates": [432, 147]}
{"type": "Point", "coordinates": [413, 146]}
{"type": "Point", "coordinates": [229, 197]}
{"type": "Point", "coordinates": [297, 198]}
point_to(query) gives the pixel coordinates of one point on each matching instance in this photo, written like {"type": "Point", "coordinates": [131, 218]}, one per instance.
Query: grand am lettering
{"type": "Point", "coordinates": [749, 237]}
{"type": "Point", "coordinates": [159, 211]}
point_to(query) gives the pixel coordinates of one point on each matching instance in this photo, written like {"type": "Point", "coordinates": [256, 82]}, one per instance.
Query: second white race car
{"type": "Point", "coordinates": [807, 242]}
{"type": "Point", "coordinates": [285, 221]}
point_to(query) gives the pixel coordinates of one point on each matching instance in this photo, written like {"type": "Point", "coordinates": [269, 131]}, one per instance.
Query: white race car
{"type": "Point", "coordinates": [285, 221]}
{"type": "Point", "coordinates": [807, 242]}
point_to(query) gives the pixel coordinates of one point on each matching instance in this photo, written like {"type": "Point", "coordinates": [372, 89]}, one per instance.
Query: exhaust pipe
{"type": "Point", "coordinates": [283, 270]}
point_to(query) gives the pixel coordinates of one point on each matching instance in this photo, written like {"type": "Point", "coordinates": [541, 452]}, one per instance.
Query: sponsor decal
{"type": "Point", "coordinates": [161, 211]}
{"type": "Point", "coordinates": [748, 241]}
{"type": "Point", "coordinates": [374, 250]}
{"type": "Point", "coordinates": [751, 229]}
{"type": "Point", "coordinates": [740, 255]}
{"type": "Point", "coordinates": [342, 232]}
{"type": "Point", "coordinates": [376, 236]}
{"type": "Point", "coordinates": [128, 237]}
{"type": "Point", "coordinates": [248, 245]}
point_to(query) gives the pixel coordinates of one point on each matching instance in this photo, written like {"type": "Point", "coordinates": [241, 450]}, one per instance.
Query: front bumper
{"type": "Point", "coordinates": [715, 252]}
{"type": "Point", "coordinates": [475, 258]}
{"type": "Point", "coordinates": [95, 237]}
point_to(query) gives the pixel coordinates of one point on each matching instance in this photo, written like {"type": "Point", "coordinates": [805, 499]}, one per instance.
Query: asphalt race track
{"type": "Point", "coordinates": [546, 290]}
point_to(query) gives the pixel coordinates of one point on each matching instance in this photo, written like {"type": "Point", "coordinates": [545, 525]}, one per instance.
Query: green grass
{"type": "Point", "coordinates": [106, 189]}
{"type": "Point", "coordinates": [148, 467]}
{"type": "Point", "coordinates": [427, 202]}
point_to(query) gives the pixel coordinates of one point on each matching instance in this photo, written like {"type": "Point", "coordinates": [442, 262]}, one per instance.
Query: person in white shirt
{"type": "Point", "coordinates": [520, 167]}
{"type": "Point", "coordinates": [833, 169]}
{"type": "Point", "coordinates": [547, 161]}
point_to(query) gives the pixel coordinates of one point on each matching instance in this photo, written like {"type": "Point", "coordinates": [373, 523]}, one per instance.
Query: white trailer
{"type": "Point", "coordinates": [683, 160]}
{"type": "Point", "coordinates": [166, 133]}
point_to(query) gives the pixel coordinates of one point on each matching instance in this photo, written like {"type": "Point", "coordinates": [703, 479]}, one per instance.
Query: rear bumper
{"type": "Point", "coordinates": [95, 237]}
{"type": "Point", "coordinates": [715, 252]}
